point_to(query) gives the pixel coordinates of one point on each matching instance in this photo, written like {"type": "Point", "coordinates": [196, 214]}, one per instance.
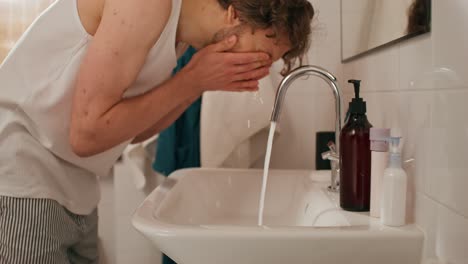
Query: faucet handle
{"type": "Point", "coordinates": [331, 154]}
{"type": "Point", "coordinates": [331, 145]}
{"type": "Point", "coordinates": [334, 159]}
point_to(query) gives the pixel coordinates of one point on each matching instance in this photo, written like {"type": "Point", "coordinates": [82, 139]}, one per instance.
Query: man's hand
{"type": "Point", "coordinates": [213, 68]}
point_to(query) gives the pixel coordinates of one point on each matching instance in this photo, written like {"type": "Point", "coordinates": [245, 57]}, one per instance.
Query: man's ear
{"type": "Point", "coordinates": [232, 16]}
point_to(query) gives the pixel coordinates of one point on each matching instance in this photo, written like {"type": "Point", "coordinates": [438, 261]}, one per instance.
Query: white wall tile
{"type": "Point", "coordinates": [450, 41]}
{"type": "Point", "coordinates": [415, 112]}
{"type": "Point", "coordinates": [447, 156]}
{"type": "Point", "coordinates": [452, 236]}
{"type": "Point", "coordinates": [417, 70]}
{"type": "Point", "coordinates": [378, 71]}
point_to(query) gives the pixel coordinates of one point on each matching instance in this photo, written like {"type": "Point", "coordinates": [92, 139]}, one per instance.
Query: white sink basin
{"type": "Point", "coordinates": [210, 217]}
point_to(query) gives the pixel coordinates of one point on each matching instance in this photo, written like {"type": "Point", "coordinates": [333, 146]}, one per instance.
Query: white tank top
{"type": "Point", "coordinates": [37, 81]}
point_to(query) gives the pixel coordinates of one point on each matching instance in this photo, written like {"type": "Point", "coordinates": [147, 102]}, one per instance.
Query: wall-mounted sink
{"type": "Point", "coordinates": [209, 216]}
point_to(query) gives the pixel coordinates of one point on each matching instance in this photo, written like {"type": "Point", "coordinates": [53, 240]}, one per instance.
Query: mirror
{"type": "Point", "coordinates": [367, 25]}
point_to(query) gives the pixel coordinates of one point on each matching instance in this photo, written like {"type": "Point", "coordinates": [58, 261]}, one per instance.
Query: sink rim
{"type": "Point", "coordinates": [144, 220]}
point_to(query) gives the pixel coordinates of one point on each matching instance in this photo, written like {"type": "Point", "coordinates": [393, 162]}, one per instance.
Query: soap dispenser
{"type": "Point", "coordinates": [355, 155]}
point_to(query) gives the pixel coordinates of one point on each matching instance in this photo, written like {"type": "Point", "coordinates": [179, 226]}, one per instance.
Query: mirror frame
{"type": "Point", "coordinates": [385, 45]}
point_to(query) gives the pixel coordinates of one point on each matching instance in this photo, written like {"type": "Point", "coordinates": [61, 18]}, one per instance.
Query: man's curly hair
{"type": "Point", "coordinates": [292, 17]}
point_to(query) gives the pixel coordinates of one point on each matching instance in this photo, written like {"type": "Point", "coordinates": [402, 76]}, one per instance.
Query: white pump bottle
{"type": "Point", "coordinates": [393, 210]}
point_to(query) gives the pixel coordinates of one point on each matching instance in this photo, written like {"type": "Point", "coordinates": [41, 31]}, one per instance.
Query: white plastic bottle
{"type": "Point", "coordinates": [393, 211]}
{"type": "Point", "coordinates": [379, 162]}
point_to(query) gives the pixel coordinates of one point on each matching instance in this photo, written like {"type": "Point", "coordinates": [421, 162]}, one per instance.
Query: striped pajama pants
{"type": "Point", "coordinates": [42, 231]}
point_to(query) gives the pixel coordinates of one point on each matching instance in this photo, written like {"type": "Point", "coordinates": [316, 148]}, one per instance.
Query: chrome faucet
{"type": "Point", "coordinates": [333, 154]}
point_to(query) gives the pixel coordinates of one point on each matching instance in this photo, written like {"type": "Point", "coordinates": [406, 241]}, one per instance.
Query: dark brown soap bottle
{"type": "Point", "coordinates": [355, 155]}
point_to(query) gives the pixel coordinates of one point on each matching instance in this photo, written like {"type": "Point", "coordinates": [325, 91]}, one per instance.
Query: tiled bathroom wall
{"type": "Point", "coordinates": [420, 87]}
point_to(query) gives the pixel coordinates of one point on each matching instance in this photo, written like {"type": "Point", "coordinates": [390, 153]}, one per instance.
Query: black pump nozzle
{"type": "Point", "coordinates": [357, 87]}
{"type": "Point", "coordinates": [357, 105]}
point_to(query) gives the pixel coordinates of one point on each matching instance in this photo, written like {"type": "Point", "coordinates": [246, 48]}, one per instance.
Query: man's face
{"type": "Point", "coordinates": [258, 40]}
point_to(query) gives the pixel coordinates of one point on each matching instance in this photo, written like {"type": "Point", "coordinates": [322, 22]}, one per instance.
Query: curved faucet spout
{"type": "Point", "coordinates": [331, 80]}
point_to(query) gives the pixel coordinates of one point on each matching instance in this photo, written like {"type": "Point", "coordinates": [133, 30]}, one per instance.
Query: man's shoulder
{"type": "Point", "coordinates": [152, 13]}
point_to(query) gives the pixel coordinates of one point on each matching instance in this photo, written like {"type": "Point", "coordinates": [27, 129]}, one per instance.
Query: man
{"type": "Point", "coordinates": [91, 76]}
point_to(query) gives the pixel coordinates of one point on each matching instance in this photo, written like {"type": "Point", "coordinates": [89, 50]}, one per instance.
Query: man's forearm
{"type": "Point", "coordinates": [130, 117]}
{"type": "Point", "coordinates": [165, 122]}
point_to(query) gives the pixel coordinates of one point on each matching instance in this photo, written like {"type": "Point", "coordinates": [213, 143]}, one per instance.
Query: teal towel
{"type": "Point", "coordinates": [179, 145]}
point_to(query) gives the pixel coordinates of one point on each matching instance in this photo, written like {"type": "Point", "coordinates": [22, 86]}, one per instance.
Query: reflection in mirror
{"type": "Point", "coordinates": [370, 24]}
